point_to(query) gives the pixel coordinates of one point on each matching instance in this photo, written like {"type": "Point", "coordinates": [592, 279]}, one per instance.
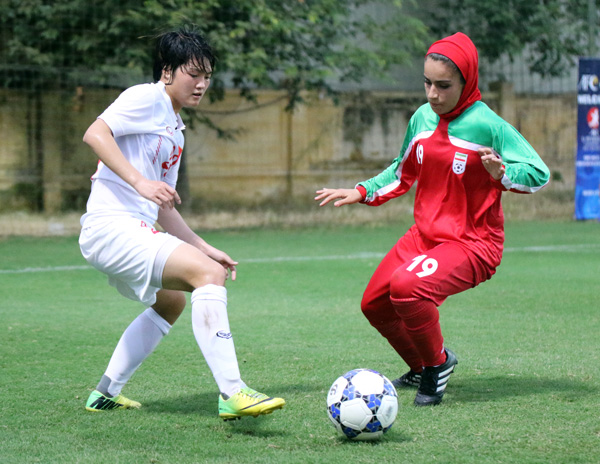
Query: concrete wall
{"type": "Point", "coordinates": [279, 155]}
{"type": "Point", "coordinates": [43, 162]}
{"type": "Point", "coordinates": [277, 158]}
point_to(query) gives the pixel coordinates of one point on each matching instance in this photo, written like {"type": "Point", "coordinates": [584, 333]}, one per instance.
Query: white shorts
{"type": "Point", "coordinates": [131, 253]}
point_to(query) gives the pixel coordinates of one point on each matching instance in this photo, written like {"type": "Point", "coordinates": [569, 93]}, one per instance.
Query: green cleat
{"type": "Point", "coordinates": [248, 402]}
{"type": "Point", "coordinates": [99, 402]}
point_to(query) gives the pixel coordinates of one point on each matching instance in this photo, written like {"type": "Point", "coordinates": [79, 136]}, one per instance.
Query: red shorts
{"type": "Point", "coordinates": [417, 268]}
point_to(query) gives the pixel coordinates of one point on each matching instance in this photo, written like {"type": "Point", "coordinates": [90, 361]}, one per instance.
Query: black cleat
{"type": "Point", "coordinates": [408, 380]}
{"type": "Point", "coordinates": [434, 381]}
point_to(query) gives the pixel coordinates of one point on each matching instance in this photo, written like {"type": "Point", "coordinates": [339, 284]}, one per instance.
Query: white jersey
{"type": "Point", "coordinates": [149, 134]}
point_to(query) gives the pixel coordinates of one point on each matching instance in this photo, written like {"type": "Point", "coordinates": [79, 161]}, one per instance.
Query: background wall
{"type": "Point", "coordinates": [277, 159]}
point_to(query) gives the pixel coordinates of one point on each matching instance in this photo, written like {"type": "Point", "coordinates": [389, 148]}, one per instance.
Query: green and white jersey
{"type": "Point", "coordinates": [456, 198]}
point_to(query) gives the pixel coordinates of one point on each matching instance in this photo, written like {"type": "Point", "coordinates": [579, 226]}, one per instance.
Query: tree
{"type": "Point", "coordinates": [552, 32]}
{"type": "Point", "coordinates": [292, 45]}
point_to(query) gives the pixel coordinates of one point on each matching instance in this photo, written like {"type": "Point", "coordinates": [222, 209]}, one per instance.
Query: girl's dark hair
{"type": "Point", "coordinates": [177, 48]}
{"type": "Point", "coordinates": [449, 62]}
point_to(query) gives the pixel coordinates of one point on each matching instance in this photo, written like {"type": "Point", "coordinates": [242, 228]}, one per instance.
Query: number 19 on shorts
{"type": "Point", "coordinates": [426, 265]}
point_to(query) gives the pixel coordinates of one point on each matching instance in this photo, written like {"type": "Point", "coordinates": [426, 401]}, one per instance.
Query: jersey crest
{"type": "Point", "coordinates": [175, 155]}
{"type": "Point", "coordinates": [460, 163]}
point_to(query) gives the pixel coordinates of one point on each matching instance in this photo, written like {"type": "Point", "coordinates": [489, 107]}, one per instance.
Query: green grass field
{"type": "Point", "coordinates": [526, 389]}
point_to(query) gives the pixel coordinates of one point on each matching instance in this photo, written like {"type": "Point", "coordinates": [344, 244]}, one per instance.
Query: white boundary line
{"type": "Point", "coordinates": [570, 248]}
{"type": "Point", "coordinates": [28, 270]}
{"type": "Point", "coordinates": [281, 259]}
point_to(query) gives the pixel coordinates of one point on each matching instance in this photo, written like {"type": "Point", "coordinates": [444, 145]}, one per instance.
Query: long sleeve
{"type": "Point", "coordinates": [525, 170]}
{"type": "Point", "coordinates": [399, 177]}
{"type": "Point", "coordinates": [456, 199]}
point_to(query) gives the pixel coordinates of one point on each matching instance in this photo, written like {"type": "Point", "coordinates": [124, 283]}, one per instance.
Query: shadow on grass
{"type": "Point", "coordinates": [203, 404]}
{"type": "Point", "coordinates": [499, 387]}
{"type": "Point", "coordinates": [206, 403]}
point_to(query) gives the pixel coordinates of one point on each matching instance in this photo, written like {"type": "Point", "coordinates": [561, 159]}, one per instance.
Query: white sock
{"type": "Point", "coordinates": [211, 329]}
{"type": "Point", "coordinates": [137, 342]}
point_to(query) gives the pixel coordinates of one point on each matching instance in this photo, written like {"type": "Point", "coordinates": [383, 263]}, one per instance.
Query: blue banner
{"type": "Point", "coordinates": [587, 164]}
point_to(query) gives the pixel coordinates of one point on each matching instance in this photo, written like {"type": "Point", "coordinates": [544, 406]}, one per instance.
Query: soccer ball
{"type": "Point", "coordinates": [362, 404]}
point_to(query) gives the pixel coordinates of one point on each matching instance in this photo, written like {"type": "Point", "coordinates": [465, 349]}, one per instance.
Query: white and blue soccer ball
{"type": "Point", "coordinates": [362, 404]}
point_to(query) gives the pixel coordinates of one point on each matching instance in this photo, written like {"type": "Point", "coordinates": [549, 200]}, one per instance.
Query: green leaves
{"type": "Point", "coordinates": [552, 32]}
{"type": "Point", "coordinates": [292, 45]}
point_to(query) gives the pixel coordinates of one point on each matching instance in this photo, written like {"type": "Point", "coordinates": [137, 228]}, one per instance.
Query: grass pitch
{"type": "Point", "coordinates": [526, 389]}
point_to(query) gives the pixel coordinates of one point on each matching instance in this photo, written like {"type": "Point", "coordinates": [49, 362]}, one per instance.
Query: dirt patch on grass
{"type": "Point", "coordinates": [516, 207]}
{"type": "Point", "coordinates": [41, 225]}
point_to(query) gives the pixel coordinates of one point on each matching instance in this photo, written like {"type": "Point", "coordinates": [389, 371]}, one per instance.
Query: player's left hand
{"type": "Point", "coordinates": [230, 265]}
{"type": "Point", "coordinates": [491, 162]}
{"type": "Point", "coordinates": [223, 258]}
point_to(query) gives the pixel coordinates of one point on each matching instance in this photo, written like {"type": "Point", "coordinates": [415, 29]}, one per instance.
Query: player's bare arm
{"type": "Point", "coordinates": [100, 138]}
{"type": "Point", "coordinates": [491, 162]}
{"type": "Point", "coordinates": [172, 222]}
{"type": "Point", "coordinates": [343, 196]}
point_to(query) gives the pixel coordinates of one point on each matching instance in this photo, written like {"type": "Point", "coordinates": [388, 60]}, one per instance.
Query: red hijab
{"type": "Point", "coordinates": [461, 50]}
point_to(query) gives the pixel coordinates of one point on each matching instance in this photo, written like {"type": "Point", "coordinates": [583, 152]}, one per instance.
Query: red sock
{"type": "Point", "coordinates": [402, 343]}
{"type": "Point", "coordinates": [422, 322]}
{"type": "Point", "coordinates": [392, 328]}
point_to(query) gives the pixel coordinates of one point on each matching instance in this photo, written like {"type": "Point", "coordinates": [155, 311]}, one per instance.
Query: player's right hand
{"type": "Point", "coordinates": [158, 192]}
{"type": "Point", "coordinates": [344, 196]}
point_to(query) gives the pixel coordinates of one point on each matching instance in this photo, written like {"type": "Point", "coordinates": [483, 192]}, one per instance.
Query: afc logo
{"type": "Point", "coordinates": [588, 83]}
{"type": "Point", "coordinates": [593, 118]}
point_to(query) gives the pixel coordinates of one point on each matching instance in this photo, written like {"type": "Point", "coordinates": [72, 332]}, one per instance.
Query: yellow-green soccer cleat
{"type": "Point", "coordinates": [99, 402]}
{"type": "Point", "coordinates": [248, 402]}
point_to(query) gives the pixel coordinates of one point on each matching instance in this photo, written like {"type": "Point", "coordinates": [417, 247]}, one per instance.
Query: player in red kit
{"type": "Point", "coordinates": [462, 156]}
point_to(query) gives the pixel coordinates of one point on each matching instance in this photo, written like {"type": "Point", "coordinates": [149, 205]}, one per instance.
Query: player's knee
{"type": "Point", "coordinates": [374, 310]}
{"type": "Point", "coordinates": [402, 285]}
{"type": "Point", "coordinates": [214, 274]}
{"type": "Point", "coordinates": [368, 306]}
{"type": "Point", "coordinates": [219, 274]}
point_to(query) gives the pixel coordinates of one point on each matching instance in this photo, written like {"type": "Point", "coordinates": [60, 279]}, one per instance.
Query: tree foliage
{"type": "Point", "coordinates": [552, 32]}
{"type": "Point", "coordinates": [293, 45]}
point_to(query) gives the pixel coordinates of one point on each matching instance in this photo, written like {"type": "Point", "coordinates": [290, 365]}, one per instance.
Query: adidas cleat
{"type": "Point", "coordinates": [434, 381]}
{"type": "Point", "coordinates": [248, 402]}
{"type": "Point", "coordinates": [100, 402]}
{"type": "Point", "coordinates": [408, 380]}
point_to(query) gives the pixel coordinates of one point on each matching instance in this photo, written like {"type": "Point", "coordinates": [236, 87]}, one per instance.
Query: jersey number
{"type": "Point", "coordinates": [420, 154]}
{"type": "Point", "coordinates": [428, 266]}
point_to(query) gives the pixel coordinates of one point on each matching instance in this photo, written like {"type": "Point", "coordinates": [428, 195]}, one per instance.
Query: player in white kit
{"type": "Point", "coordinates": [139, 142]}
